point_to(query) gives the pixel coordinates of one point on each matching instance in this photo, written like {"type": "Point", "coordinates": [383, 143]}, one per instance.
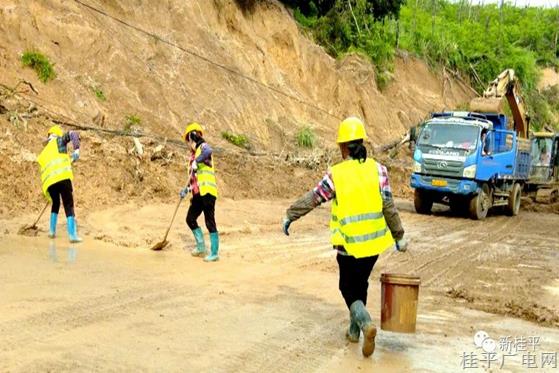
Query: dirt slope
{"type": "Point", "coordinates": [549, 78]}
{"type": "Point", "coordinates": [165, 86]}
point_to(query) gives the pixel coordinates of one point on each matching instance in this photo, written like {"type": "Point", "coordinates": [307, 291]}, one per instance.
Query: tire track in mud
{"type": "Point", "coordinates": [485, 264]}
{"type": "Point", "coordinates": [298, 347]}
{"type": "Point", "coordinates": [51, 323]}
{"type": "Point", "coordinates": [278, 249]}
{"type": "Point", "coordinates": [464, 263]}
{"type": "Point", "coordinates": [460, 248]}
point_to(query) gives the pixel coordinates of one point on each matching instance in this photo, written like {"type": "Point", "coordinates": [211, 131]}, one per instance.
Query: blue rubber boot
{"type": "Point", "coordinates": [200, 249]}
{"type": "Point", "coordinates": [73, 230]}
{"type": "Point", "coordinates": [214, 239]}
{"type": "Point", "coordinates": [52, 227]}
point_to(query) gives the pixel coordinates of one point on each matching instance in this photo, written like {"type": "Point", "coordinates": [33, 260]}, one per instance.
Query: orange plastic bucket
{"type": "Point", "coordinates": [399, 296]}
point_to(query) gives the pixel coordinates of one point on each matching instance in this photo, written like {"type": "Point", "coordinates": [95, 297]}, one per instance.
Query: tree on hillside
{"type": "Point", "coordinates": [382, 9]}
{"type": "Point", "coordinates": [379, 9]}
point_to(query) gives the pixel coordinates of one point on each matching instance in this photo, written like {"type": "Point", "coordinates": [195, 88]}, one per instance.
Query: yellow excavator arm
{"type": "Point", "coordinates": [506, 85]}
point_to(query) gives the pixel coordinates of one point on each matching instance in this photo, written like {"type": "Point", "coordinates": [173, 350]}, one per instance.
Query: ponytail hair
{"type": "Point", "coordinates": [357, 150]}
{"type": "Point", "coordinates": [196, 137]}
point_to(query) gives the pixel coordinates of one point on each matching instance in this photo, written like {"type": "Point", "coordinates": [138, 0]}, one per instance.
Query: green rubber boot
{"type": "Point", "coordinates": [200, 249]}
{"type": "Point", "coordinates": [363, 320]}
{"type": "Point", "coordinates": [353, 331]}
{"type": "Point", "coordinates": [214, 239]}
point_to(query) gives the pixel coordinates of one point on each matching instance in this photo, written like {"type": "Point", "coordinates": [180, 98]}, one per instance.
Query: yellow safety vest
{"type": "Point", "coordinates": [55, 166]}
{"type": "Point", "coordinates": [205, 176]}
{"type": "Point", "coordinates": [357, 221]}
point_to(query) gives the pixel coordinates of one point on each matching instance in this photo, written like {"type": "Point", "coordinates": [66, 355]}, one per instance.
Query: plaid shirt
{"type": "Point", "coordinates": [70, 136]}
{"type": "Point", "coordinates": [325, 191]}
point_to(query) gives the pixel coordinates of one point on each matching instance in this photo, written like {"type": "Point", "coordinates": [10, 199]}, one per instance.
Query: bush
{"type": "Point", "coordinates": [305, 21]}
{"type": "Point", "coordinates": [238, 140]}
{"type": "Point", "coordinates": [40, 63]}
{"type": "Point", "coordinates": [306, 137]}
{"type": "Point", "coordinates": [99, 94]}
{"type": "Point", "coordinates": [540, 110]}
{"type": "Point", "coordinates": [130, 121]}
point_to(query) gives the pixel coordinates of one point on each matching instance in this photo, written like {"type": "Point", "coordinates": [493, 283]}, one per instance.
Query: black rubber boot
{"type": "Point", "coordinates": [363, 320]}
{"type": "Point", "coordinates": [353, 331]}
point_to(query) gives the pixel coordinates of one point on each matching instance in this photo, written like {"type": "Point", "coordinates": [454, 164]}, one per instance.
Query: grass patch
{"type": "Point", "coordinates": [238, 140]}
{"type": "Point", "coordinates": [306, 137]}
{"type": "Point", "coordinates": [130, 121]}
{"type": "Point", "coordinates": [40, 63]}
{"type": "Point", "coordinates": [99, 93]}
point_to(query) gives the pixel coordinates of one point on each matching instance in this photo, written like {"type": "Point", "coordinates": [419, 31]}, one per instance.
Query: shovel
{"type": "Point", "coordinates": [160, 245]}
{"type": "Point", "coordinates": [26, 229]}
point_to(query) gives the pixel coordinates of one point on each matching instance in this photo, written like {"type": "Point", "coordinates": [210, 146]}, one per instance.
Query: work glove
{"type": "Point", "coordinates": [401, 245]}
{"type": "Point", "coordinates": [184, 192]}
{"type": "Point", "coordinates": [75, 155]}
{"type": "Point", "coordinates": [194, 166]}
{"type": "Point", "coordinates": [285, 226]}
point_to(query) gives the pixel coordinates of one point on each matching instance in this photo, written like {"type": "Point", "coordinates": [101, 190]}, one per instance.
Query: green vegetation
{"type": "Point", "coordinates": [40, 63]}
{"type": "Point", "coordinates": [356, 26]}
{"type": "Point", "coordinates": [238, 140]}
{"type": "Point", "coordinates": [542, 105]}
{"type": "Point", "coordinates": [99, 94]}
{"type": "Point", "coordinates": [306, 137]}
{"type": "Point", "coordinates": [130, 121]}
{"type": "Point", "coordinates": [481, 41]}
{"type": "Point", "coordinates": [474, 41]}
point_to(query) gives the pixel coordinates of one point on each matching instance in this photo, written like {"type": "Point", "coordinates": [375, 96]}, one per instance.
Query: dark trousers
{"type": "Point", "coordinates": [354, 277]}
{"type": "Point", "coordinates": [62, 189]}
{"type": "Point", "coordinates": [199, 204]}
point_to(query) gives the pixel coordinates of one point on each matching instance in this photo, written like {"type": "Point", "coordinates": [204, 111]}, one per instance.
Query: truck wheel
{"type": "Point", "coordinates": [514, 200]}
{"type": "Point", "coordinates": [480, 203]}
{"type": "Point", "coordinates": [422, 202]}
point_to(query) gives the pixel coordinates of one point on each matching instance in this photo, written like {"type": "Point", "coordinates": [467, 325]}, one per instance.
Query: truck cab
{"type": "Point", "coordinates": [543, 183]}
{"type": "Point", "coordinates": [469, 161]}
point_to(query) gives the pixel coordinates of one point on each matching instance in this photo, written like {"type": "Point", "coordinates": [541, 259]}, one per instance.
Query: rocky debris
{"type": "Point", "coordinates": [318, 159]}
{"type": "Point", "coordinates": [161, 153]}
{"type": "Point", "coordinates": [138, 147]}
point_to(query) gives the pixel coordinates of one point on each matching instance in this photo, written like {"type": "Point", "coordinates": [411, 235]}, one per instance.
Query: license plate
{"type": "Point", "coordinates": [437, 182]}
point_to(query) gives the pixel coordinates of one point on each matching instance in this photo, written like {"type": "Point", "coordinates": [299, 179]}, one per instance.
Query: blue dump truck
{"type": "Point", "coordinates": [471, 162]}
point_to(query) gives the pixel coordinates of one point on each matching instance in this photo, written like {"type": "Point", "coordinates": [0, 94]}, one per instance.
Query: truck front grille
{"type": "Point", "coordinates": [443, 167]}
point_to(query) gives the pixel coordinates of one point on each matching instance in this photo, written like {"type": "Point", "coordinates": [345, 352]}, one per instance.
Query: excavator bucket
{"type": "Point", "coordinates": [487, 105]}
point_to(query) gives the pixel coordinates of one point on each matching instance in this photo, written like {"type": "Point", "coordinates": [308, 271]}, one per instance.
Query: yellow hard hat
{"type": "Point", "coordinates": [55, 130]}
{"type": "Point", "coordinates": [193, 126]}
{"type": "Point", "coordinates": [350, 129]}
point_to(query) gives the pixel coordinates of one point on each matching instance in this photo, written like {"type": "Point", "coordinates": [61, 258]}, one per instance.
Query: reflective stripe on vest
{"type": "Point", "coordinates": [55, 166]}
{"type": "Point", "coordinates": [205, 176]}
{"type": "Point", "coordinates": [357, 221]}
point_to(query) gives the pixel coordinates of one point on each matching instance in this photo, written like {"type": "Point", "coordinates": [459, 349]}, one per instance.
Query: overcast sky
{"type": "Point", "coordinates": [546, 3]}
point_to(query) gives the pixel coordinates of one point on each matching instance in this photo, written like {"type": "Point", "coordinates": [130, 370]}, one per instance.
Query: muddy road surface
{"type": "Point", "coordinates": [271, 303]}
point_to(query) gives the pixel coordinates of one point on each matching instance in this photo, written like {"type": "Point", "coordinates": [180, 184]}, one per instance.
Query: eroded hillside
{"type": "Point", "coordinates": [170, 61]}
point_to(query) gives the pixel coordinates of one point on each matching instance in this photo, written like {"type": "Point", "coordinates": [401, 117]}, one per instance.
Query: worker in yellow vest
{"type": "Point", "coordinates": [56, 177]}
{"type": "Point", "coordinates": [202, 184]}
{"type": "Point", "coordinates": [364, 223]}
